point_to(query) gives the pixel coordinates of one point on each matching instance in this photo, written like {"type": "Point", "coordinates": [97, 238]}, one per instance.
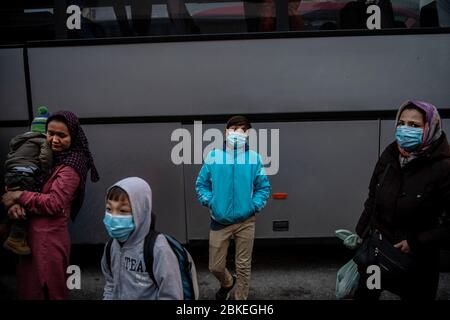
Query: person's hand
{"type": "Point", "coordinates": [16, 212]}
{"type": "Point", "coordinates": [11, 198]}
{"type": "Point", "coordinates": [403, 246]}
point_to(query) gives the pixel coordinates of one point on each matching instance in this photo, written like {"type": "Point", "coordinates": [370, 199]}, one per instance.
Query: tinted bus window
{"type": "Point", "coordinates": [46, 20]}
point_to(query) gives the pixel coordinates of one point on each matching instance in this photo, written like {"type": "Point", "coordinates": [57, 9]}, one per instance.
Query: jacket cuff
{"type": "Point", "coordinates": [255, 207]}
{"type": "Point", "coordinates": [24, 198]}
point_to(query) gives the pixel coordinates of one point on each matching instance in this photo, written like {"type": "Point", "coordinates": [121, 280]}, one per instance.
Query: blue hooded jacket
{"type": "Point", "coordinates": [233, 185]}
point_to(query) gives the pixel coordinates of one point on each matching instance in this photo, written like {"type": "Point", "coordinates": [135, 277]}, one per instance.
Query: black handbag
{"type": "Point", "coordinates": [395, 265]}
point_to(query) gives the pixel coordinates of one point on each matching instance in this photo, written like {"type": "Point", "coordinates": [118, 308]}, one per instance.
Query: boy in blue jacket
{"type": "Point", "coordinates": [233, 185]}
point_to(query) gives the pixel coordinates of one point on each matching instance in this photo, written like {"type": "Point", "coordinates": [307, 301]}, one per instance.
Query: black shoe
{"type": "Point", "coordinates": [224, 293]}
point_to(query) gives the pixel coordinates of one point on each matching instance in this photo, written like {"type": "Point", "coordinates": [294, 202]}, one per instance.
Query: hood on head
{"type": "Point", "coordinates": [140, 195]}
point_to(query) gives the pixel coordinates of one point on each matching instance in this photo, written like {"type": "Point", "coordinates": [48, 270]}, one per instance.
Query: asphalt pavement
{"type": "Point", "coordinates": [279, 272]}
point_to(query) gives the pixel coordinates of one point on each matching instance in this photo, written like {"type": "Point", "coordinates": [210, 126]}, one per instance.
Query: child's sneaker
{"type": "Point", "coordinates": [224, 293]}
{"type": "Point", "coordinates": [17, 245]}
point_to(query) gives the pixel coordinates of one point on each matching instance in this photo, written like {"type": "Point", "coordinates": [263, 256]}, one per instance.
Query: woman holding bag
{"type": "Point", "coordinates": [409, 201]}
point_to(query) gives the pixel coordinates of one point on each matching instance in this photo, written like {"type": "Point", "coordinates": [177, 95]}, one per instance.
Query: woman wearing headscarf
{"type": "Point", "coordinates": [409, 200]}
{"type": "Point", "coordinates": [42, 275]}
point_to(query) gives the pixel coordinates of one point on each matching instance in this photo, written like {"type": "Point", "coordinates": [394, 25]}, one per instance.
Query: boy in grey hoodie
{"type": "Point", "coordinates": [127, 220]}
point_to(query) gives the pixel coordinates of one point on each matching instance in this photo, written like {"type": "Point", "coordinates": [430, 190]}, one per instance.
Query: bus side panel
{"type": "Point", "coordinates": [446, 126]}
{"type": "Point", "coordinates": [244, 76]}
{"type": "Point", "coordinates": [126, 150]}
{"type": "Point", "coordinates": [324, 167]}
{"type": "Point", "coordinates": [387, 133]}
{"type": "Point", "coordinates": [13, 95]}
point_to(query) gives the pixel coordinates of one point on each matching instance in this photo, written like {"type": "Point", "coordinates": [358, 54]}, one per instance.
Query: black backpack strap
{"type": "Point", "coordinates": [149, 244]}
{"type": "Point", "coordinates": [108, 253]}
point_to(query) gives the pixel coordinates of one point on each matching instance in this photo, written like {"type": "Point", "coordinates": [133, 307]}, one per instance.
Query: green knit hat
{"type": "Point", "coordinates": [39, 123]}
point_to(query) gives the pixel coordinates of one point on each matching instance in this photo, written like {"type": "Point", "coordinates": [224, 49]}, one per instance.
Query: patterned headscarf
{"type": "Point", "coordinates": [431, 132]}
{"type": "Point", "coordinates": [77, 156]}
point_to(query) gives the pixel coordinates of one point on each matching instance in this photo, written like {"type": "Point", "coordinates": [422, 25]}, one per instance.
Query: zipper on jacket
{"type": "Point", "coordinates": [232, 192]}
{"type": "Point", "coordinates": [120, 274]}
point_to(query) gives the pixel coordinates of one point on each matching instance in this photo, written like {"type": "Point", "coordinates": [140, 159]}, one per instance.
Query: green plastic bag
{"type": "Point", "coordinates": [347, 280]}
{"type": "Point", "coordinates": [351, 240]}
{"type": "Point", "coordinates": [343, 233]}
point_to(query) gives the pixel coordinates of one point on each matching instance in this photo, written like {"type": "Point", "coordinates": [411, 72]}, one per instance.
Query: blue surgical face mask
{"type": "Point", "coordinates": [119, 227]}
{"type": "Point", "coordinates": [236, 139]}
{"type": "Point", "coordinates": [409, 138]}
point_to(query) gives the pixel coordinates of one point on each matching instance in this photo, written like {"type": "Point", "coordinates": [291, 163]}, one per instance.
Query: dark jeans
{"type": "Point", "coordinates": [18, 180]}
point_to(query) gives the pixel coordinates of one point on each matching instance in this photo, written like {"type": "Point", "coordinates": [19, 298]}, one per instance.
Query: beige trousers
{"type": "Point", "coordinates": [244, 234]}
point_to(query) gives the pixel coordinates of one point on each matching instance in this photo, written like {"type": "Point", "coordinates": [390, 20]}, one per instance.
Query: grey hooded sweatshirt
{"type": "Point", "coordinates": [128, 278]}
